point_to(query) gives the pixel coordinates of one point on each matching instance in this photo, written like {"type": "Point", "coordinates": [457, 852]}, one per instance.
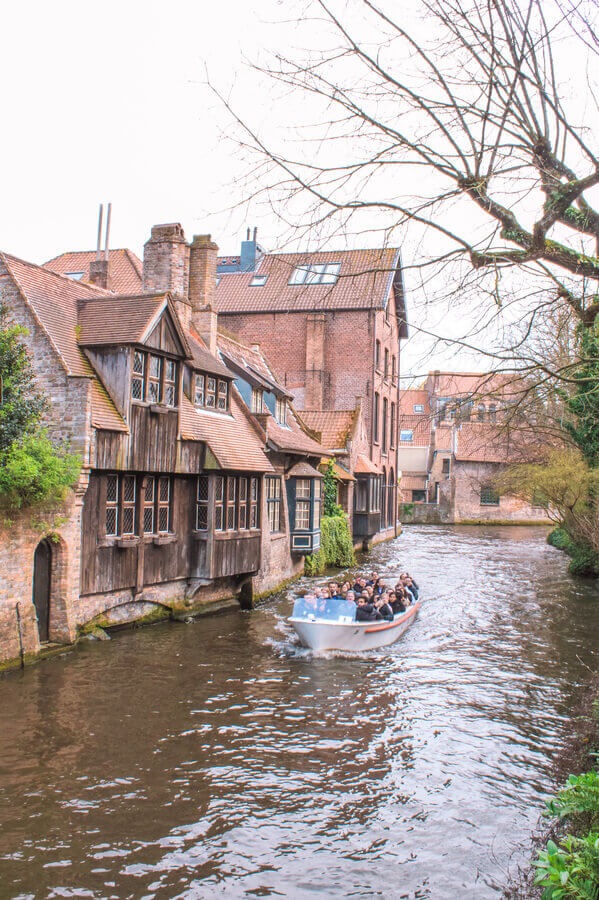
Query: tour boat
{"type": "Point", "coordinates": [343, 633]}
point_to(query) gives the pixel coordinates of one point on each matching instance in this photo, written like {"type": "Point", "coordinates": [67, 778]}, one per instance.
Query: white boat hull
{"type": "Point", "coordinates": [318, 634]}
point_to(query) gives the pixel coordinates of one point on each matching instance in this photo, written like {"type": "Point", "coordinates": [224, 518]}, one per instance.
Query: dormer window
{"type": "Point", "coordinates": [77, 276]}
{"type": "Point", "coordinates": [154, 378]}
{"type": "Point", "coordinates": [257, 400]}
{"type": "Point", "coordinates": [258, 281]}
{"type": "Point", "coordinates": [324, 273]}
{"type": "Point", "coordinates": [210, 392]}
{"type": "Point", "coordinates": [281, 412]}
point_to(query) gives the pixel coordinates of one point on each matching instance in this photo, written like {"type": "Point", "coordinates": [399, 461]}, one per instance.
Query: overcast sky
{"type": "Point", "coordinates": [109, 102]}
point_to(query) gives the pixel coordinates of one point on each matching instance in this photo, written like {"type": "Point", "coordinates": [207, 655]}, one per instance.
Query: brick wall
{"type": "Point", "coordinates": [67, 420]}
{"type": "Point", "coordinates": [468, 478]}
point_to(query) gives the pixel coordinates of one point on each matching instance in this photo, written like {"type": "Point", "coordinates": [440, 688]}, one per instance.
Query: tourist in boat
{"type": "Point", "coordinates": [365, 612]}
{"type": "Point", "coordinates": [395, 603]}
{"type": "Point", "coordinates": [359, 585]}
{"type": "Point", "coordinates": [351, 596]}
{"type": "Point", "coordinates": [382, 607]}
{"type": "Point", "coordinates": [334, 590]}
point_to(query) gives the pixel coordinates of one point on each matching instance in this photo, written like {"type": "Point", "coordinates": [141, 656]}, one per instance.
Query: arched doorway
{"type": "Point", "coordinates": [391, 501]}
{"type": "Point", "coordinates": [42, 587]}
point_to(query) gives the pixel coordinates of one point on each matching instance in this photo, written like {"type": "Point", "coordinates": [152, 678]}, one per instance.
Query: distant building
{"type": "Point", "coordinates": [455, 437]}
{"type": "Point", "coordinates": [124, 273]}
{"type": "Point", "coordinates": [330, 323]}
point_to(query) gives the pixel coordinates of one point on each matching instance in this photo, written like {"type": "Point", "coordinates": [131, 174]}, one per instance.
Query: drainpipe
{"type": "Point", "coordinates": [19, 629]}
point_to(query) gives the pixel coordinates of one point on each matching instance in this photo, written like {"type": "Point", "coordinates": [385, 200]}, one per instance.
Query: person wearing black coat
{"type": "Point", "coordinates": [365, 612]}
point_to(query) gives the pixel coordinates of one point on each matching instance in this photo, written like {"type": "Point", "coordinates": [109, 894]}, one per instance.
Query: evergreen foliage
{"type": "Point", "coordinates": [21, 404]}
{"type": "Point", "coordinates": [34, 472]}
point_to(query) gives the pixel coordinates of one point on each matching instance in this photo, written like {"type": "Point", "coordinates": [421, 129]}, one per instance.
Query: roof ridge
{"type": "Point", "coordinates": [95, 250]}
{"type": "Point", "coordinates": [310, 252]}
{"type": "Point", "coordinates": [88, 287]}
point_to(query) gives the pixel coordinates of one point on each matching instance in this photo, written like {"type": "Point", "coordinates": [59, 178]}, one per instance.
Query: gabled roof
{"type": "Point", "coordinates": [365, 281]}
{"type": "Point", "coordinates": [231, 439]}
{"type": "Point", "coordinates": [334, 426]}
{"type": "Point", "coordinates": [53, 301]}
{"type": "Point", "coordinates": [124, 267]}
{"type": "Point", "coordinates": [125, 320]}
{"type": "Point", "coordinates": [203, 359]}
{"type": "Point", "coordinates": [365, 466]}
{"type": "Point", "coordinates": [486, 442]}
{"type": "Point", "coordinates": [250, 364]}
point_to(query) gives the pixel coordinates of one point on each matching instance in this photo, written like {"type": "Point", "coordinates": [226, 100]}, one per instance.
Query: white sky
{"type": "Point", "coordinates": [108, 102]}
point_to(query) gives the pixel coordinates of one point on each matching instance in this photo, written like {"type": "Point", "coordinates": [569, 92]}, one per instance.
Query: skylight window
{"type": "Point", "coordinates": [324, 273]}
{"type": "Point", "coordinates": [76, 275]}
{"type": "Point", "coordinates": [258, 281]}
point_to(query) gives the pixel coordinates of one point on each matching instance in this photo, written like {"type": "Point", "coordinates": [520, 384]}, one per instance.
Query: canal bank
{"type": "Point", "coordinates": [200, 761]}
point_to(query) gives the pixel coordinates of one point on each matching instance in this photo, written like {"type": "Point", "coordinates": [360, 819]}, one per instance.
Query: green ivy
{"type": "Point", "coordinates": [336, 546]}
{"type": "Point", "coordinates": [331, 507]}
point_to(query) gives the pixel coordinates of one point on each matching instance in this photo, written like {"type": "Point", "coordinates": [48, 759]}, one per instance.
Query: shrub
{"type": "Point", "coordinates": [34, 472]}
{"type": "Point", "coordinates": [331, 507]}
{"type": "Point", "coordinates": [571, 871]}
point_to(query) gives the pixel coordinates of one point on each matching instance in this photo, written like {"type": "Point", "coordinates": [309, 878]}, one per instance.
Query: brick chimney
{"type": "Point", "coordinates": [202, 283]}
{"type": "Point", "coordinates": [99, 274]}
{"type": "Point", "coordinates": [315, 327]}
{"type": "Point", "coordinates": [166, 266]}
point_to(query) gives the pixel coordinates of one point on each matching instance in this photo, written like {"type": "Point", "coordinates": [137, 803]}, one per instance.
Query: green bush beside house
{"type": "Point", "coordinates": [336, 545]}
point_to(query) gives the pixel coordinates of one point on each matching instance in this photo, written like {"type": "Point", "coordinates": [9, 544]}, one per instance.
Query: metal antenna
{"type": "Point", "coordinates": [100, 217]}
{"type": "Point", "coordinates": [107, 230]}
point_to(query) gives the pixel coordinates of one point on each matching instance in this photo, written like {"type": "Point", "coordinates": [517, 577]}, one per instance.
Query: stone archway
{"type": "Point", "coordinates": [49, 590]}
{"type": "Point", "coordinates": [42, 588]}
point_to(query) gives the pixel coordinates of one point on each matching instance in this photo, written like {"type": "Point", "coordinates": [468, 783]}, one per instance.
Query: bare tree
{"type": "Point", "coordinates": [468, 122]}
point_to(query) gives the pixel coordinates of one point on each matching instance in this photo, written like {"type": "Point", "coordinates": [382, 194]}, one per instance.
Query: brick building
{"type": "Point", "coordinates": [331, 324]}
{"type": "Point", "coordinates": [455, 438]}
{"type": "Point", "coordinates": [191, 494]}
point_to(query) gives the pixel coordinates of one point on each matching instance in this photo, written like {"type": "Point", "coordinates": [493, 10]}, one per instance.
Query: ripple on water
{"type": "Point", "coordinates": [224, 759]}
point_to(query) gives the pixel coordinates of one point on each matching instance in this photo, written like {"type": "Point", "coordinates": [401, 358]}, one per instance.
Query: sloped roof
{"type": "Point", "coordinates": [338, 471]}
{"type": "Point", "coordinates": [202, 357]}
{"type": "Point", "coordinates": [117, 319]}
{"type": "Point", "coordinates": [364, 282]}
{"type": "Point", "coordinates": [251, 361]}
{"type": "Point", "coordinates": [335, 426]}
{"type": "Point", "coordinates": [420, 425]}
{"type": "Point", "coordinates": [365, 466]}
{"type": "Point", "coordinates": [53, 301]}
{"type": "Point", "coordinates": [303, 470]}
{"type": "Point", "coordinates": [466, 384]}
{"type": "Point", "coordinates": [124, 267]}
{"type": "Point", "coordinates": [232, 439]}
{"type": "Point", "coordinates": [293, 438]}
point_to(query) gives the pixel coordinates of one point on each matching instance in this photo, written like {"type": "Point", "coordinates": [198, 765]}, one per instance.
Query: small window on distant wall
{"type": "Point", "coordinates": [406, 435]}
{"type": "Point", "coordinates": [257, 400]}
{"type": "Point", "coordinates": [419, 407]}
{"type": "Point", "coordinates": [281, 411]}
{"type": "Point", "coordinates": [258, 281]}
{"type": "Point", "coordinates": [489, 497]}
{"type": "Point", "coordinates": [210, 392]}
{"type": "Point", "coordinates": [320, 273]}
{"type": "Point", "coordinates": [445, 466]}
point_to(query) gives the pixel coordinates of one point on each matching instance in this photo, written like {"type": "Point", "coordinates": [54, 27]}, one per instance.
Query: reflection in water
{"type": "Point", "coordinates": [221, 759]}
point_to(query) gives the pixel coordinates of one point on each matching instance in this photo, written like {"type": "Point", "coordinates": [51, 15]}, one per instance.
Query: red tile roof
{"type": "Point", "coordinates": [365, 466]}
{"type": "Point", "coordinates": [335, 426]}
{"type": "Point", "coordinates": [117, 319]}
{"type": "Point", "coordinates": [293, 438]}
{"type": "Point", "coordinates": [53, 301]}
{"type": "Point", "coordinates": [251, 360]}
{"type": "Point", "coordinates": [364, 282]}
{"type": "Point", "coordinates": [124, 267]}
{"type": "Point", "coordinates": [232, 439]}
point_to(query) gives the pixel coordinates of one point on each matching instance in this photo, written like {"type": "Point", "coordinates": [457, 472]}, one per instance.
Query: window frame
{"type": "Point", "coordinates": [273, 491]}
{"type": "Point", "coordinates": [406, 440]}
{"type": "Point", "coordinates": [257, 403]}
{"type": "Point", "coordinates": [489, 496]}
{"type": "Point", "coordinates": [145, 378]}
{"type": "Point", "coordinates": [392, 428]}
{"type": "Point", "coordinates": [375, 418]}
{"type": "Point", "coordinates": [384, 425]}
{"type": "Point", "coordinates": [315, 273]}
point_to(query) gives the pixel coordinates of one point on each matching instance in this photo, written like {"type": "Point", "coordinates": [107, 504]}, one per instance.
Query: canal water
{"type": "Point", "coordinates": [219, 759]}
